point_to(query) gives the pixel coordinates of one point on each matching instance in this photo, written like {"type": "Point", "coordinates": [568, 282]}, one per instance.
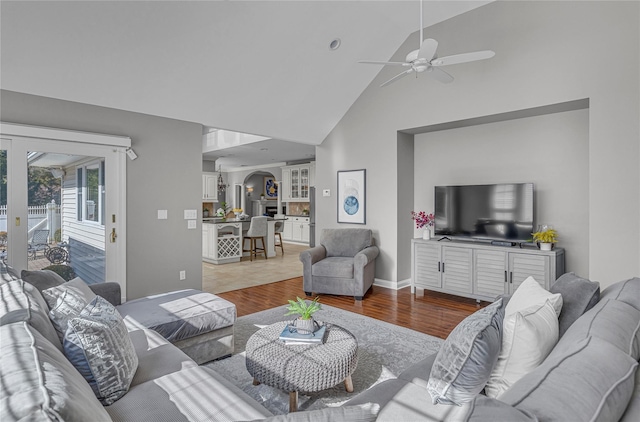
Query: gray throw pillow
{"type": "Point", "coordinates": [465, 360]}
{"type": "Point", "coordinates": [97, 343]}
{"type": "Point", "coordinates": [578, 296]}
{"type": "Point", "coordinates": [7, 273]}
{"type": "Point", "coordinates": [42, 279]}
{"type": "Point", "coordinates": [67, 301]}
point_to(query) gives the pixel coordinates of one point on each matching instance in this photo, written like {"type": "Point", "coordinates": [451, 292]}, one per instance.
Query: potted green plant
{"type": "Point", "coordinates": [545, 238]}
{"type": "Point", "coordinates": [305, 310]}
{"type": "Point", "coordinates": [205, 212]}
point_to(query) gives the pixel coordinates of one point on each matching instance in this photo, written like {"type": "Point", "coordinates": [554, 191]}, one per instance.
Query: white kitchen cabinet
{"type": "Point", "coordinates": [221, 242]}
{"type": "Point", "coordinates": [297, 180]}
{"type": "Point", "coordinates": [210, 187]}
{"type": "Point", "coordinates": [479, 270]}
{"type": "Point", "coordinates": [296, 229]}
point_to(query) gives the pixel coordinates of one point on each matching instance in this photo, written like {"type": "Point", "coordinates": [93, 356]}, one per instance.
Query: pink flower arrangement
{"type": "Point", "coordinates": [423, 219]}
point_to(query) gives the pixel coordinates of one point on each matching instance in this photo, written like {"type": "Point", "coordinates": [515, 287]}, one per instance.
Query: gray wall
{"type": "Point", "coordinates": [552, 151]}
{"type": "Point", "coordinates": [166, 175]}
{"type": "Point", "coordinates": [546, 53]}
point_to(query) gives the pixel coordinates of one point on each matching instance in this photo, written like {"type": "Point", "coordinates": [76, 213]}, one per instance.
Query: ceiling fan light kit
{"type": "Point", "coordinates": [425, 59]}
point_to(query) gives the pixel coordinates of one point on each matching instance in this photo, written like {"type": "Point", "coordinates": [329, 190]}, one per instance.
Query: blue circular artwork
{"type": "Point", "coordinates": [351, 205]}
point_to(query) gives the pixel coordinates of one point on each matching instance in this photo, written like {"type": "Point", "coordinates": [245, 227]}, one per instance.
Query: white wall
{"type": "Point", "coordinates": [546, 53]}
{"type": "Point", "coordinates": [552, 151]}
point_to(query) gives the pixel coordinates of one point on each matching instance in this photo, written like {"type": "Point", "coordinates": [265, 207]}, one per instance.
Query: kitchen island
{"type": "Point", "coordinates": [222, 239]}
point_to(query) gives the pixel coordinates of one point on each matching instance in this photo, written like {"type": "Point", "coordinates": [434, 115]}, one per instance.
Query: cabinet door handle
{"type": "Point", "coordinates": [511, 277]}
{"type": "Point", "coordinates": [443, 267]}
{"type": "Point", "coordinates": [505, 276]}
{"type": "Point", "coordinates": [438, 266]}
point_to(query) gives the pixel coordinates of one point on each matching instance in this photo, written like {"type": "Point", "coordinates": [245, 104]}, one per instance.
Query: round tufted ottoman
{"type": "Point", "coordinates": [301, 368]}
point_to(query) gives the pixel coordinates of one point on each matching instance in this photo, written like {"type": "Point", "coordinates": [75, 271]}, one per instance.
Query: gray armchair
{"type": "Point", "coordinates": [343, 264]}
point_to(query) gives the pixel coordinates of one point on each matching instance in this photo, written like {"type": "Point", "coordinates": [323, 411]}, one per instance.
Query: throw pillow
{"type": "Point", "coordinates": [67, 301]}
{"type": "Point", "coordinates": [531, 293]}
{"type": "Point", "coordinates": [7, 273]}
{"type": "Point", "coordinates": [528, 336]}
{"type": "Point", "coordinates": [42, 279]}
{"type": "Point", "coordinates": [578, 296]}
{"type": "Point", "coordinates": [465, 360]}
{"type": "Point", "coordinates": [98, 345]}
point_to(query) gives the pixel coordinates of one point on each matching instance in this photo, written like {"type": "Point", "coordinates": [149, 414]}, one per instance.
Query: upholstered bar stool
{"type": "Point", "coordinates": [278, 228]}
{"type": "Point", "coordinates": [257, 230]}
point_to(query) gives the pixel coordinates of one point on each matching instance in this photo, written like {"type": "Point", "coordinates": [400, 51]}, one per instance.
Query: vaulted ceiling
{"type": "Point", "coordinates": [259, 67]}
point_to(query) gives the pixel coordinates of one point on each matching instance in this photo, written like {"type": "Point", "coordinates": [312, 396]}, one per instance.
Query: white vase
{"type": "Point", "coordinates": [545, 246]}
{"type": "Point", "coordinates": [426, 234]}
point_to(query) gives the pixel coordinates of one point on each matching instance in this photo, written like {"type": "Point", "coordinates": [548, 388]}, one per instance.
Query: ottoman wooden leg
{"type": "Point", "coordinates": [293, 401]}
{"type": "Point", "coordinates": [256, 382]}
{"type": "Point", "coordinates": [348, 384]}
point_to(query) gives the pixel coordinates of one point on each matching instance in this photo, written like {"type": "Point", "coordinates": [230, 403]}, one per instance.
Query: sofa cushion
{"type": "Point", "coordinates": [39, 383]}
{"type": "Point", "coordinates": [632, 412]}
{"type": "Point", "coordinates": [419, 372]}
{"type": "Point", "coordinates": [530, 293]}
{"type": "Point", "coordinates": [616, 322]}
{"type": "Point", "coordinates": [193, 394]}
{"type": "Point", "coordinates": [465, 360]}
{"type": "Point", "coordinates": [42, 279]}
{"type": "Point", "coordinates": [67, 301]}
{"type": "Point", "coordinates": [156, 356]}
{"type": "Point", "coordinates": [592, 382]}
{"type": "Point", "coordinates": [337, 266]}
{"type": "Point", "coordinates": [360, 413]}
{"type": "Point", "coordinates": [345, 242]}
{"type": "Point", "coordinates": [7, 273]}
{"type": "Point", "coordinates": [527, 338]}
{"type": "Point", "coordinates": [179, 315]}
{"type": "Point", "coordinates": [627, 291]}
{"type": "Point", "coordinates": [23, 302]}
{"type": "Point", "coordinates": [578, 296]}
{"type": "Point", "coordinates": [97, 343]}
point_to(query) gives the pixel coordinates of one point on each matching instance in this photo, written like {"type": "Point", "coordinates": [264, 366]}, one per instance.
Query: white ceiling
{"type": "Point", "coordinates": [258, 67]}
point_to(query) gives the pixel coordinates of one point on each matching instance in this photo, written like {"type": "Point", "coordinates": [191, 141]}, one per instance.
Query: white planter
{"type": "Point", "coordinates": [545, 246]}
{"type": "Point", "coordinates": [426, 234]}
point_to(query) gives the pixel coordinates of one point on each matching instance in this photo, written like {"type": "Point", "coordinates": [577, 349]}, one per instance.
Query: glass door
{"type": "Point", "coordinates": [295, 183]}
{"type": "Point", "coordinates": [64, 205]}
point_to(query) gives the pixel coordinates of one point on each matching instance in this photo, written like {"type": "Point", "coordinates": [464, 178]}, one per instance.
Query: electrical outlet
{"type": "Point", "coordinates": [183, 275]}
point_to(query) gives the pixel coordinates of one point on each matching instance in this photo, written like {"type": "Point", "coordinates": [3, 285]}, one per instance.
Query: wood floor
{"type": "Point", "coordinates": [434, 313]}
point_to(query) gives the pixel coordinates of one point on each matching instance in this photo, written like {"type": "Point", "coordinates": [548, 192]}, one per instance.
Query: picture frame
{"type": "Point", "coordinates": [270, 188]}
{"type": "Point", "coordinates": [352, 200]}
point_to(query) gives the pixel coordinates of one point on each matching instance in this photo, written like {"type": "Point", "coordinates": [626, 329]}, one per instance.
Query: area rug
{"type": "Point", "coordinates": [384, 350]}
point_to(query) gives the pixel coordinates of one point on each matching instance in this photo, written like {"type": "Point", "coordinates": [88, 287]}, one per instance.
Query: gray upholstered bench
{"type": "Point", "coordinates": [199, 323]}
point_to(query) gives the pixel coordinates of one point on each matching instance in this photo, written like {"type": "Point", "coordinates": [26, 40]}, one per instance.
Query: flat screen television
{"type": "Point", "coordinates": [501, 212]}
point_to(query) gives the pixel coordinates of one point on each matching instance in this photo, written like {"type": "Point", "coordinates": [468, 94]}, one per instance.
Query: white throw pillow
{"type": "Point", "coordinates": [531, 293]}
{"type": "Point", "coordinates": [528, 336]}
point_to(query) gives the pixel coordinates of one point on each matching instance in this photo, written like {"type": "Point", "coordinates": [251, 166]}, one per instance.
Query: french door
{"type": "Point", "coordinates": [64, 201]}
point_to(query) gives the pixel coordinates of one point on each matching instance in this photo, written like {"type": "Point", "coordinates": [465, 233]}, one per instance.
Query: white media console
{"type": "Point", "coordinates": [478, 270]}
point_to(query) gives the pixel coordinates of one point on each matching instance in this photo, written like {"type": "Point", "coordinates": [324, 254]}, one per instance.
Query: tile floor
{"type": "Point", "coordinates": [246, 273]}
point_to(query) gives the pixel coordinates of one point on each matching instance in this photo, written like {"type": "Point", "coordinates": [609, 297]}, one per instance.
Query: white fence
{"type": "Point", "coordinates": [40, 216]}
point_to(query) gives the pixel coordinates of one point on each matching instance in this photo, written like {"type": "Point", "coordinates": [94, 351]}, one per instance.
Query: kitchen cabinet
{"type": "Point", "coordinates": [480, 270]}
{"type": "Point", "coordinates": [296, 182]}
{"type": "Point", "coordinates": [296, 229]}
{"type": "Point", "coordinates": [221, 242]}
{"type": "Point", "coordinates": [210, 187]}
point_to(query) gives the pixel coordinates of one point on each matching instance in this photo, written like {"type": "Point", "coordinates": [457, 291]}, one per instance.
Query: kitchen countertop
{"type": "Point", "coordinates": [219, 220]}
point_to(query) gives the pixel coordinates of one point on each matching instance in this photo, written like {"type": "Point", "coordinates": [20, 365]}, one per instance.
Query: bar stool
{"type": "Point", "coordinates": [279, 227]}
{"type": "Point", "coordinates": [257, 230]}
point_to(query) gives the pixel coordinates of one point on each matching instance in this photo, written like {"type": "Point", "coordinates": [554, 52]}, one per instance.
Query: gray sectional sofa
{"type": "Point", "coordinates": [590, 375]}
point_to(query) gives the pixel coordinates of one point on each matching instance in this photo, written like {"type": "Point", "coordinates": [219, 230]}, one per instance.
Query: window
{"type": "Point", "coordinates": [90, 192]}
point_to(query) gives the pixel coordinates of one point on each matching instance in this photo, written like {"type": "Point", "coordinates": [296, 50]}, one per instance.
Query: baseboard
{"type": "Point", "coordinates": [387, 284]}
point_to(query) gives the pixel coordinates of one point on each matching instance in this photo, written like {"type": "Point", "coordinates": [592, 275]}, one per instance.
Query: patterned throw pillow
{"type": "Point", "coordinates": [67, 301]}
{"type": "Point", "coordinates": [98, 345]}
{"type": "Point", "coordinates": [465, 360]}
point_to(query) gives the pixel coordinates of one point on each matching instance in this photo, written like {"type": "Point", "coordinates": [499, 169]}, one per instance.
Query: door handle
{"type": "Point", "coordinates": [113, 235]}
{"type": "Point", "coordinates": [505, 276]}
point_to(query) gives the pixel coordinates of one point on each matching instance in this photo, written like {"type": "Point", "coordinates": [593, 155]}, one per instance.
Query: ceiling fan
{"type": "Point", "coordinates": [425, 59]}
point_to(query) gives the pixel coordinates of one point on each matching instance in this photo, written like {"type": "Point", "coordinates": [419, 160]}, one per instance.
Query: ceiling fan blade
{"type": "Point", "coordinates": [428, 49]}
{"type": "Point", "coordinates": [385, 63]}
{"type": "Point", "coordinates": [440, 75]}
{"type": "Point", "coordinates": [463, 58]}
{"type": "Point", "coordinates": [405, 73]}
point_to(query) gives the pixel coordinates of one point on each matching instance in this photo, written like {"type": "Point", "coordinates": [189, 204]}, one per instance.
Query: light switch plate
{"type": "Point", "coordinates": [190, 214]}
{"type": "Point", "coordinates": [191, 224]}
{"type": "Point", "coordinates": [162, 214]}
{"type": "Point", "coordinates": [326, 192]}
